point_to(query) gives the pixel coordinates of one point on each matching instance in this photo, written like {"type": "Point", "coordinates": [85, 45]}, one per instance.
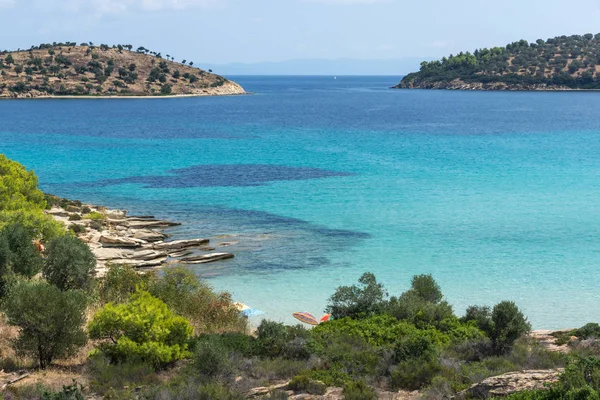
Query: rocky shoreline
{"type": "Point", "coordinates": [459, 84]}
{"type": "Point", "coordinates": [138, 241]}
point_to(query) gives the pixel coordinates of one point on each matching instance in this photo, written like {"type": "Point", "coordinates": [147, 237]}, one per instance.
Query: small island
{"type": "Point", "coordinates": [560, 63]}
{"type": "Point", "coordinates": [86, 70]}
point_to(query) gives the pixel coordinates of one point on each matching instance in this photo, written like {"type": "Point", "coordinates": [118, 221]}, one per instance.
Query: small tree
{"type": "Point", "coordinates": [69, 263]}
{"type": "Point", "coordinates": [422, 304]}
{"type": "Point", "coordinates": [509, 324]}
{"type": "Point", "coordinates": [18, 69]}
{"type": "Point", "coordinates": [143, 328]}
{"type": "Point", "coordinates": [50, 320]}
{"type": "Point", "coordinates": [9, 59]}
{"type": "Point", "coordinates": [166, 89]}
{"type": "Point", "coordinates": [358, 301]}
{"type": "Point", "coordinates": [504, 325]}
{"type": "Point", "coordinates": [18, 253]}
{"type": "Point", "coordinates": [120, 282]}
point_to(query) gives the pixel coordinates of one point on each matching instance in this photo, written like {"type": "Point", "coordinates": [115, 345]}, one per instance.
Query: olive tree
{"type": "Point", "coordinates": [69, 263]}
{"type": "Point", "coordinates": [50, 321]}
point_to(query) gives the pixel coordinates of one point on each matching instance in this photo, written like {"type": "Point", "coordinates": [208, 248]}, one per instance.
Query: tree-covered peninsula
{"type": "Point", "coordinates": [560, 63]}
{"type": "Point", "coordinates": [68, 69]}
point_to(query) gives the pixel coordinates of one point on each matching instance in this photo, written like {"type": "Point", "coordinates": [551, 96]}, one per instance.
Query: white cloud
{"type": "Point", "coordinates": [7, 3]}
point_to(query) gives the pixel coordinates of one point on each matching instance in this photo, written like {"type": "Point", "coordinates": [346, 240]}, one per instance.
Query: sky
{"type": "Point", "coordinates": [255, 31]}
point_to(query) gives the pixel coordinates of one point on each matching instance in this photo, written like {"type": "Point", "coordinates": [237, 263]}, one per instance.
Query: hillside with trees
{"type": "Point", "coordinates": [560, 63]}
{"type": "Point", "coordinates": [68, 69]}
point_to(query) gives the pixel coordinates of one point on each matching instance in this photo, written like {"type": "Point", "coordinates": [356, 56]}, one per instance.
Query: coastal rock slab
{"type": "Point", "coordinates": [118, 241]}
{"type": "Point", "coordinates": [149, 235]}
{"type": "Point", "coordinates": [147, 255]}
{"type": "Point", "coordinates": [137, 223]}
{"type": "Point", "coordinates": [512, 382]}
{"type": "Point", "coordinates": [180, 253]}
{"type": "Point", "coordinates": [207, 258]}
{"type": "Point", "coordinates": [180, 244]}
{"type": "Point", "coordinates": [141, 263]}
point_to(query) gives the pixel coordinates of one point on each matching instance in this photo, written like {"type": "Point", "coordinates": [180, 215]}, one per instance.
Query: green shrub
{"type": "Point", "coordinates": [69, 263]}
{"type": "Point", "coordinates": [274, 368]}
{"type": "Point", "coordinates": [591, 330]}
{"type": "Point", "coordinates": [96, 225]}
{"type": "Point", "coordinates": [105, 376]}
{"type": "Point", "coordinates": [509, 324]}
{"type": "Point", "coordinates": [86, 210]}
{"type": "Point", "coordinates": [381, 330]}
{"type": "Point", "coordinates": [422, 305]}
{"type": "Point", "coordinates": [211, 358]}
{"type": "Point", "coordinates": [299, 383]}
{"type": "Point", "coordinates": [358, 301]}
{"type": "Point", "coordinates": [359, 390]}
{"type": "Point", "coordinates": [190, 297]}
{"type": "Point", "coordinates": [271, 339]}
{"type": "Point", "coordinates": [439, 388]}
{"type": "Point", "coordinates": [316, 387]}
{"type": "Point", "coordinates": [51, 321]}
{"type": "Point", "coordinates": [504, 325]}
{"type": "Point", "coordinates": [332, 376]}
{"type": "Point", "coordinates": [143, 328]}
{"type": "Point", "coordinates": [193, 391]}
{"type": "Point", "coordinates": [477, 371]}
{"type": "Point", "coordinates": [481, 316]}
{"type": "Point", "coordinates": [18, 254]}
{"type": "Point", "coordinates": [414, 373]}
{"type": "Point", "coordinates": [75, 217]}
{"type": "Point", "coordinates": [303, 383]}
{"type": "Point", "coordinates": [528, 353]}
{"type": "Point", "coordinates": [18, 187]}
{"type": "Point", "coordinates": [95, 216]}
{"type": "Point", "coordinates": [120, 282]}
{"type": "Point", "coordinates": [68, 392]}
{"type": "Point", "coordinates": [77, 228]}
{"type": "Point", "coordinates": [238, 343]}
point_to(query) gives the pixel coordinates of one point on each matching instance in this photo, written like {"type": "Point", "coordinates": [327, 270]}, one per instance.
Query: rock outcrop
{"type": "Point", "coordinates": [512, 382]}
{"type": "Point", "coordinates": [135, 241]}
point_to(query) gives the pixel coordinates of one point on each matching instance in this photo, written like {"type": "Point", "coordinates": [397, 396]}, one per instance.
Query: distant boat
{"type": "Point", "coordinates": [335, 77]}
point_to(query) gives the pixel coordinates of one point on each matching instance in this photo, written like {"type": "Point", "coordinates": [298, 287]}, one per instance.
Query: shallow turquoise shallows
{"type": "Point", "coordinates": [317, 180]}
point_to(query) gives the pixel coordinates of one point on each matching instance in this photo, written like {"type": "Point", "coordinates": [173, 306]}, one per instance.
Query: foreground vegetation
{"type": "Point", "coordinates": [562, 62]}
{"type": "Point", "coordinates": [61, 69]}
{"type": "Point", "coordinates": [169, 335]}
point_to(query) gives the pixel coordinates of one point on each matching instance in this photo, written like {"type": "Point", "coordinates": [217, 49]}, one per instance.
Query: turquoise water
{"type": "Point", "coordinates": [319, 180]}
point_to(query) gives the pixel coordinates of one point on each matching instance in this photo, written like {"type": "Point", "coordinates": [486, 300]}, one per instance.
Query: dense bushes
{"type": "Point", "coordinates": [143, 328]}
{"type": "Point", "coordinates": [358, 301]}
{"type": "Point", "coordinates": [22, 202]}
{"type": "Point", "coordinates": [207, 311]}
{"type": "Point", "coordinates": [503, 325]}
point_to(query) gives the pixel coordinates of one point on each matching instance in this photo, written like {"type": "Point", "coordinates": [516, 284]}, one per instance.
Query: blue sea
{"type": "Point", "coordinates": [316, 180]}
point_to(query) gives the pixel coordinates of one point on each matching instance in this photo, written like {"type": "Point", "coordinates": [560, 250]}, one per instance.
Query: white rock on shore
{"type": "Point", "coordinates": [137, 241]}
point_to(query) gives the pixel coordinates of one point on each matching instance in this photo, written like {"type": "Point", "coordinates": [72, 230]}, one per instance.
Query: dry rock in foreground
{"type": "Point", "coordinates": [512, 382]}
